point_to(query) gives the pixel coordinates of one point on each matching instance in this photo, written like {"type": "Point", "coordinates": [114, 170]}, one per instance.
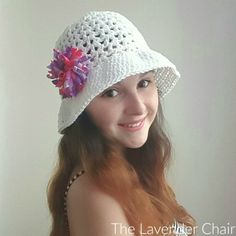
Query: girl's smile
{"type": "Point", "coordinates": [133, 126]}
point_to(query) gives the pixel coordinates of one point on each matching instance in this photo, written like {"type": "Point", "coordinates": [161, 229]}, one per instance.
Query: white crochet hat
{"type": "Point", "coordinates": [116, 50]}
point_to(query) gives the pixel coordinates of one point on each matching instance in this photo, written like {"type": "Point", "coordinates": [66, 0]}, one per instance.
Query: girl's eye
{"type": "Point", "coordinates": [144, 83]}
{"type": "Point", "coordinates": [110, 93]}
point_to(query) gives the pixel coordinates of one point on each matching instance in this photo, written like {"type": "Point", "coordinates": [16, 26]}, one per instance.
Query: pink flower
{"type": "Point", "coordinates": [69, 71]}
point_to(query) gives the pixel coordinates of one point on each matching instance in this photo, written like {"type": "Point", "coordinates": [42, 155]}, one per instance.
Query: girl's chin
{"type": "Point", "coordinates": [134, 144]}
{"type": "Point", "coordinates": [129, 143]}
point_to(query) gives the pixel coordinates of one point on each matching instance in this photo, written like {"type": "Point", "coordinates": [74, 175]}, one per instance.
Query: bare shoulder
{"type": "Point", "coordinates": [93, 212]}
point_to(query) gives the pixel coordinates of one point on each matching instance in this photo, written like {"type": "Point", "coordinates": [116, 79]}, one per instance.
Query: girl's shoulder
{"type": "Point", "coordinates": [83, 188]}
{"type": "Point", "coordinates": [80, 182]}
{"type": "Point", "coordinates": [90, 210]}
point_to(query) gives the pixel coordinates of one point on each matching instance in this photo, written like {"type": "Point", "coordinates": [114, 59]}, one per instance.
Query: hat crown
{"type": "Point", "coordinates": [101, 49]}
{"type": "Point", "coordinates": [100, 34]}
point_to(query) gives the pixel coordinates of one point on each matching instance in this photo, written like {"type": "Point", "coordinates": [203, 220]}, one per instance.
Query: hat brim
{"type": "Point", "coordinates": [112, 70]}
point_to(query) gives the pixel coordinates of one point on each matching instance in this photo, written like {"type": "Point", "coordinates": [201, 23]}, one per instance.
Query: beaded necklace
{"type": "Point", "coordinates": [66, 193]}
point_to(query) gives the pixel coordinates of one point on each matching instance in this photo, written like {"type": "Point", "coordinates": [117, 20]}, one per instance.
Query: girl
{"type": "Point", "coordinates": [113, 154]}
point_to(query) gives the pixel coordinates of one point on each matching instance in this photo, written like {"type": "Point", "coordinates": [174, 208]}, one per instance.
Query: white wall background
{"type": "Point", "coordinates": [198, 36]}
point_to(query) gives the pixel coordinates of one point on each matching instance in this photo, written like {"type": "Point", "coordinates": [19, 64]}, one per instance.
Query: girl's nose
{"type": "Point", "coordinates": [134, 104]}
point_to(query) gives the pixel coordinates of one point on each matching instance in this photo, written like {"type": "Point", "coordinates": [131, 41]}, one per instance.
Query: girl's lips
{"type": "Point", "coordinates": [133, 126]}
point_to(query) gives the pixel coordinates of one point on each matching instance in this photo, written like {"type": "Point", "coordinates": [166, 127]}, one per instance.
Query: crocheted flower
{"type": "Point", "coordinates": [69, 71]}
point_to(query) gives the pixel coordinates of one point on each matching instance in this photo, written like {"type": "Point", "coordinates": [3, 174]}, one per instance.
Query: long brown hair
{"type": "Point", "coordinates": [136, 179]}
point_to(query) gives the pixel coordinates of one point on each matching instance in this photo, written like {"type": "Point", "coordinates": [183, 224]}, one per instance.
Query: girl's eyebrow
{"type": "Point", "coordinates": [141, 75]}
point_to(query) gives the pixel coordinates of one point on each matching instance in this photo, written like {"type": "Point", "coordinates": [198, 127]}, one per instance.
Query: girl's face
{"type": "Point", "coordinates": [125, 111]}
